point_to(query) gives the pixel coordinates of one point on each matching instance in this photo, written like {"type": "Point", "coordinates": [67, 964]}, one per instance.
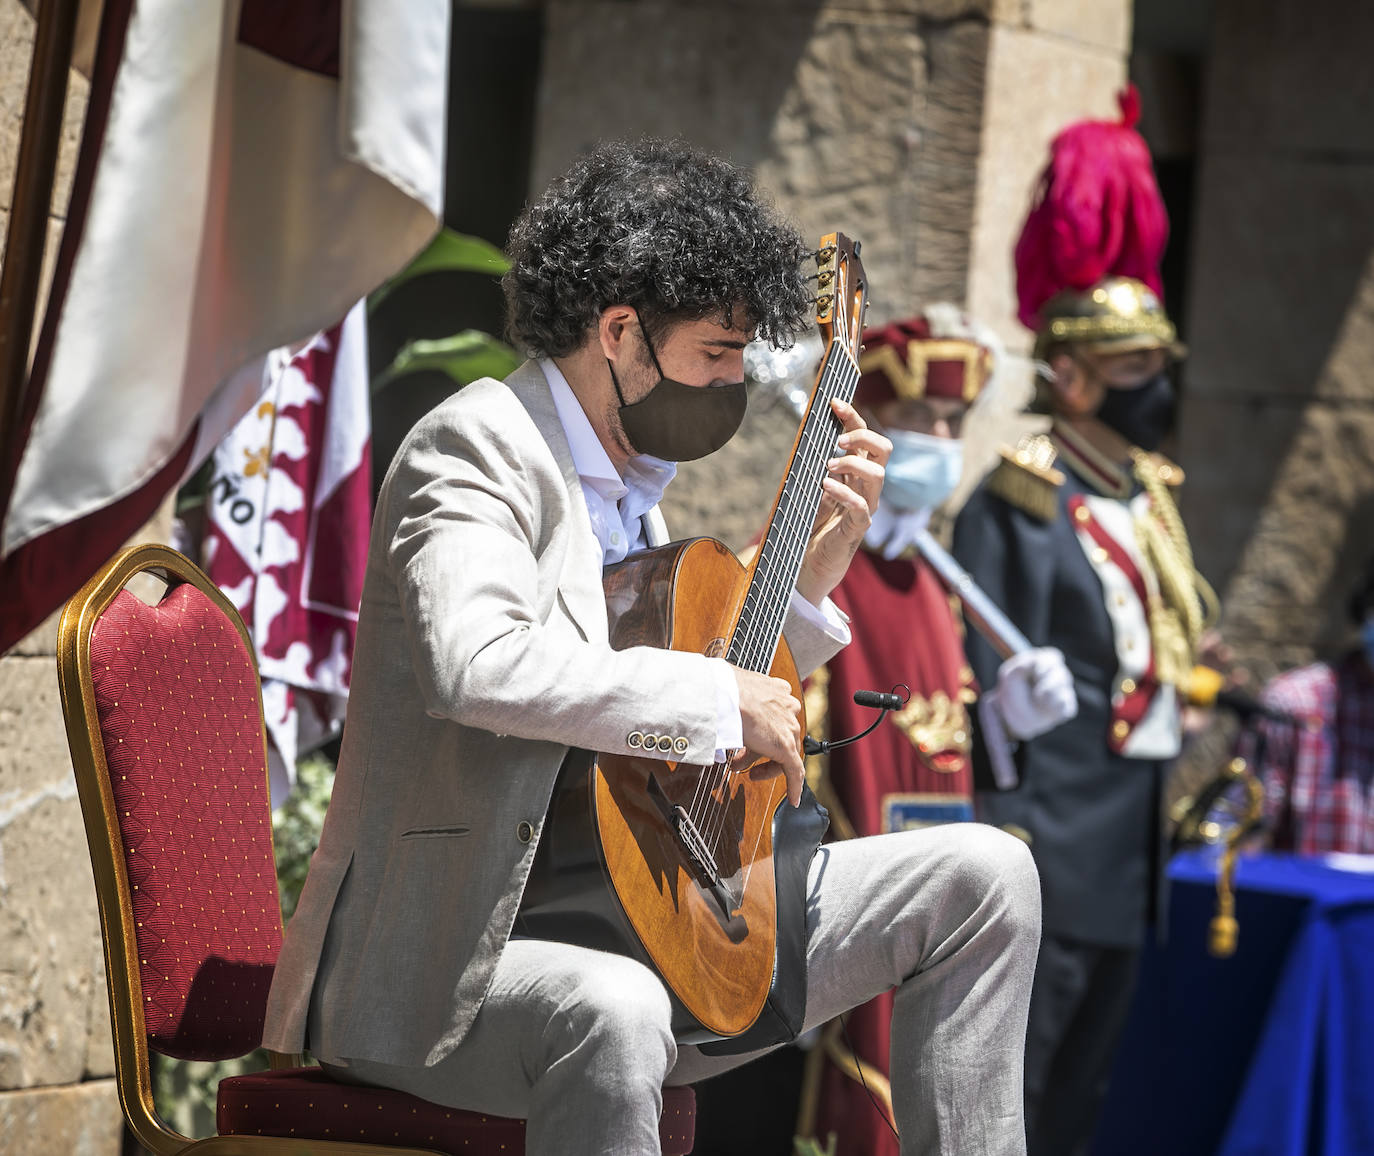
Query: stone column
{"type": "Point", "coordinates": [1277, 429]}
{"type": "Point", "coordinates": [1050, 62]}
{"type": "Point", "coordinates": [56, 1056]}
{"type": "Point", "coordinates": [915, 126]}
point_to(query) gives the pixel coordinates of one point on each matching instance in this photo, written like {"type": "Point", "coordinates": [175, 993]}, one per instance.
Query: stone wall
{"type": "Point", "coordinates": [1277, 429]}
{"type": "Point", "coordinates": [916, 126]}
{"type": "Point", "coordinates": [55, 1049]}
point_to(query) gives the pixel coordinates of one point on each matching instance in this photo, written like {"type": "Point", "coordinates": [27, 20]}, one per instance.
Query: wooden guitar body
{"type": "Point", "coordinates": [612, 871]}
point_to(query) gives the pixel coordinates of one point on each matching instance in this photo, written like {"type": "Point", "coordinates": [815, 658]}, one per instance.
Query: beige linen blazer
{"type": "Point", "coordinates": [481, 656]}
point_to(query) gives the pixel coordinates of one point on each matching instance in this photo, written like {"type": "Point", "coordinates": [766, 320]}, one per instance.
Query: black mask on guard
{"type": "Point", "coordinates": [1143, 415]}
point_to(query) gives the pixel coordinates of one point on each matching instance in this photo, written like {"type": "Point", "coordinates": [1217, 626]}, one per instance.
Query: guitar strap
{"type": "Point", "coordinates": [797, 834]}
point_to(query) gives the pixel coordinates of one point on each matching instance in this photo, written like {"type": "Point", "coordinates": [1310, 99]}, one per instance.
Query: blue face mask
{"type": "Point", "coordinates": [922, 471]}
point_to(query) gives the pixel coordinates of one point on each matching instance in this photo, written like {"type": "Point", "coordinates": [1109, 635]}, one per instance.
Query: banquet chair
{"type": "Point", "coordinates": [164, 720]}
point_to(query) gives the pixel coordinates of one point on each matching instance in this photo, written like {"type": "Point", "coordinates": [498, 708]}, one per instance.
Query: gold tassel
{"type": "Point", "coordinates": [1185, 604]}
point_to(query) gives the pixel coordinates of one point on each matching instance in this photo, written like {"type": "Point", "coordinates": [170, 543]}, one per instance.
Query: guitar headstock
{"type": "Point", "coordinates": [842, 294]}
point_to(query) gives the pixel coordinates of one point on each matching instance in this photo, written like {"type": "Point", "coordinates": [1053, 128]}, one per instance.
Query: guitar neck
{"type": "Point", "coordinates": [779, 558]}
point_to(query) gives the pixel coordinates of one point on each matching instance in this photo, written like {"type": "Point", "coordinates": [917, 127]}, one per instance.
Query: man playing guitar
{"type": "Point", "coordinates": [484, 653]}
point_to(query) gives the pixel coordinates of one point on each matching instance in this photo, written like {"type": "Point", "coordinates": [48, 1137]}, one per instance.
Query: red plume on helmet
{"type": "Point", "coordinates": [1097, 213]}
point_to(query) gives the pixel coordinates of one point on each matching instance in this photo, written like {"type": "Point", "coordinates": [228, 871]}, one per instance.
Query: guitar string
{"type": "Point", "coordinates": [782, 551]}
{"type": "Point", "coordinates": [846, 386]}
{"type": "Point", "coordinates": [783, 546]}
{"type": "Point", "coordinates": [744, 649]}
{"type": "Point", "coordinates": [718, 777]}
{"type": "Point", "coordinates": [763, 632]}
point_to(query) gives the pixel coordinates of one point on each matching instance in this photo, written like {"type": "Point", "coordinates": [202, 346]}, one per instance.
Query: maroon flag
{"type": "Point", "coordinates": [248, 171]}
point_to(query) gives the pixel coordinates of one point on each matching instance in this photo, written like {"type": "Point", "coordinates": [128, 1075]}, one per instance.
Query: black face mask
{"type": "Point", "coordinates": [678, 422]}
{"type": "Point", "coordinates": [1143, 415]}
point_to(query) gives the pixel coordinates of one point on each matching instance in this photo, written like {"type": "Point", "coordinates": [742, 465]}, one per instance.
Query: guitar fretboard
{"type": "Point", "coordinates": [756, 636]}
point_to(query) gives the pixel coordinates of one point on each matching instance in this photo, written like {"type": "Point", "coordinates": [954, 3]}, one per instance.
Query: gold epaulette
{"type": "Point", "coordinates": [1170, 473]}
{"type": "Point", "coordinates": [1026, 477]}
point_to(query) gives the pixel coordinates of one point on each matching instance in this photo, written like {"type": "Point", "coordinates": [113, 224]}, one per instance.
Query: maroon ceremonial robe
{"type": "Point", "coordinates": [914, 770]}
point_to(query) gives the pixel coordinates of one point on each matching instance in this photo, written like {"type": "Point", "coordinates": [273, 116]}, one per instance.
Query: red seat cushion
{"type": "Point", "coordinates": [305, 1102]}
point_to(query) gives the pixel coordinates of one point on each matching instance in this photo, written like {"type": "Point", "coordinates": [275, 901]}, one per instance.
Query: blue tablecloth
{"type": "Point", "coordinates": [1269, 1052]}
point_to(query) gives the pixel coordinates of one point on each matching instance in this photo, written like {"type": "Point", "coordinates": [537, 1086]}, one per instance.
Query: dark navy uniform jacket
{"type": "Point", "coordinates": [1089, 791]}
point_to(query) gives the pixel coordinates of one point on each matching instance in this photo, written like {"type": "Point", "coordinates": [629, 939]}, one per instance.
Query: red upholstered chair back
{"type": "Point", "coordinates": [164, 719]}
{"type": "Point", "coordinates": [176, 693]}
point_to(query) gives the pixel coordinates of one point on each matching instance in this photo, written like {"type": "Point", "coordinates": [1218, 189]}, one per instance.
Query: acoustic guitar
{"type": "Point", "coordinates": [700, 871]}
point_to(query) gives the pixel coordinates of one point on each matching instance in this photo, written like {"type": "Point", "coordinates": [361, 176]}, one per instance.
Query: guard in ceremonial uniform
{"type": "Point", "coordinates": [1076, 536]}
{"type": "Point", "coordinates": [920, 378]}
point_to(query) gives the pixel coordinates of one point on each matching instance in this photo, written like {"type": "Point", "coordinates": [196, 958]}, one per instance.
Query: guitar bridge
{"type": "Point", "coordinates": [699, 857]}
{"type": "Point", "coordinates": [702, 861]}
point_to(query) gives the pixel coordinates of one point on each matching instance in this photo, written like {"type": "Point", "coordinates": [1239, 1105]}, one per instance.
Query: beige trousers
{"type": "Point", "coordinates": [577, 1042]}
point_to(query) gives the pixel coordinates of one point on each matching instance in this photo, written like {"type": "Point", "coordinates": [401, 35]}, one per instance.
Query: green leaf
{"type": "Point", "coordinates": [465, 357]}
{"type": "Point", "coordinates": [449, 252]}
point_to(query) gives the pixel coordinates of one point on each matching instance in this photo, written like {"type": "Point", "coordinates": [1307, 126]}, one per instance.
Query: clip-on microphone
{"type": "Point", "coordinates": [874, 698]}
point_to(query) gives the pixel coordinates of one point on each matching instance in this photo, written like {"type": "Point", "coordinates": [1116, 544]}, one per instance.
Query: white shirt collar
{"type": "Point", "coordinates": [647, 476]}
{"type": "Point", "coordinates": [589, 456]}
{"type": "Point", "coordinates": [615, 505]}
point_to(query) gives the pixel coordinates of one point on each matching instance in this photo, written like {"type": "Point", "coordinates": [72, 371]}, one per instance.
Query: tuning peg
{"type": "Point", "coordinates": [857, 246]}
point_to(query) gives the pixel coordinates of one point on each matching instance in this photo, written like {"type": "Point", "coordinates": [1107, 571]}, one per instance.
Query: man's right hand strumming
{"type": "Point", "coordinates": [770, 714]}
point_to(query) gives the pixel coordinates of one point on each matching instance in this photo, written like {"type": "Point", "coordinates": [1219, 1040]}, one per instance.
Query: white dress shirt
{"type": "Point", "coordinates": [616, 506]}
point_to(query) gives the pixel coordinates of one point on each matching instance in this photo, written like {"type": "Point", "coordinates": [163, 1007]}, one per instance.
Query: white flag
{"type": "Point", "coordinates": [249, 170]}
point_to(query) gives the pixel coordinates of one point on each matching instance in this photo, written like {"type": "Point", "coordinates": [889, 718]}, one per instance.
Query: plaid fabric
{"type": "Point", "coordinates": [1319, 779]}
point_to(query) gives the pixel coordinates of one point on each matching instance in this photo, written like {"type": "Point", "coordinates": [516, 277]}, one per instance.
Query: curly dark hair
{"type": "Point", "coordinates": [660, 226]}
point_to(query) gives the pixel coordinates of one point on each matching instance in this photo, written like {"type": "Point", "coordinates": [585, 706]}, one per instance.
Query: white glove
{"type": "Point", "coordinates": [891, 532]}
{"type": "Point", "coordinates": [1034, 692]}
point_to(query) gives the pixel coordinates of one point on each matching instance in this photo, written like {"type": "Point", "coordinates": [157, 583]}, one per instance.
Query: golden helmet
{"type": "Point", "coordinates": [1117, 315]}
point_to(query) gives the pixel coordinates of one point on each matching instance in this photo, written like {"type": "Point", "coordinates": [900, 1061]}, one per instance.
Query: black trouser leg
{"type": "Point", "coordinates": [1079, 1004]}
